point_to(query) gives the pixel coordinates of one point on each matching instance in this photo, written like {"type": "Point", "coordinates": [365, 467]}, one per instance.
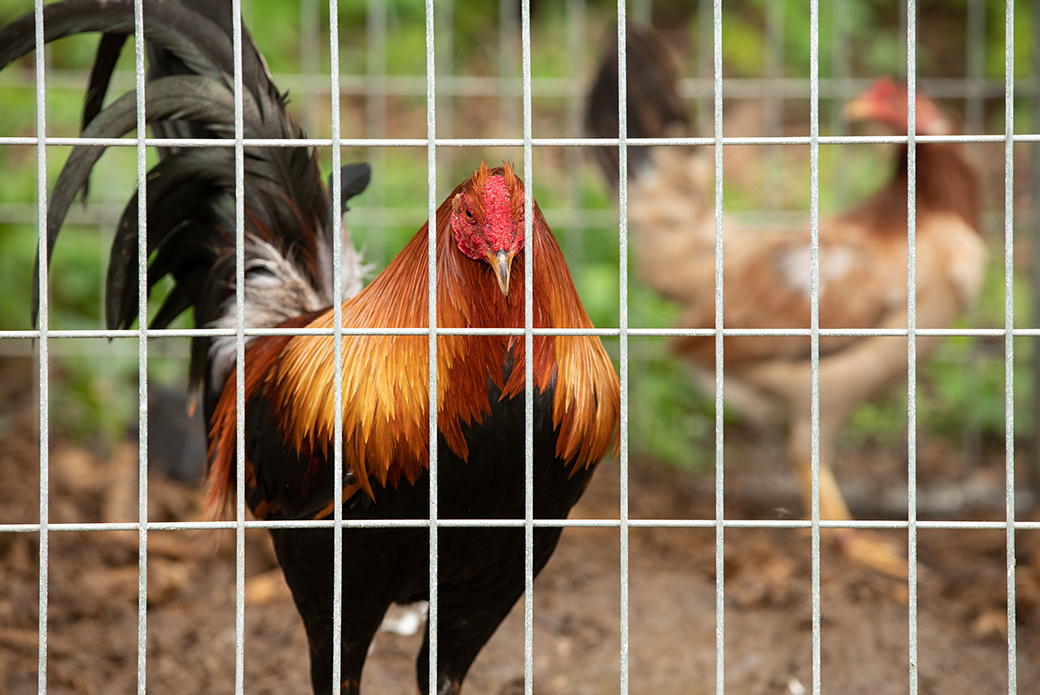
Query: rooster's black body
{"type": "Point", "coordinates": [476, 590]}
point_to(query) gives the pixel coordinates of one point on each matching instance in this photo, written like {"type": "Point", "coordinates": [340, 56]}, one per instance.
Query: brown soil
{"type": "Point", "coordinates": [93, 612]}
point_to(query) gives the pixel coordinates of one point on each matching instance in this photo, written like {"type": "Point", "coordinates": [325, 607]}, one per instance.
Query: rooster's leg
{"type": "Point", "coordinates": [307, 560]}
{"type": "Point", "coordinates": [868, 549]}
{"type": "Point", "coordinates": [464, 625]}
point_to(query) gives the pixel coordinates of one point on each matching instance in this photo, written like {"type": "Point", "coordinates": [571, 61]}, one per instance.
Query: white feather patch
{"type": "Point", "coordinates": [276, 290]}
{"type": "Point", "coordinates": [796, 267]}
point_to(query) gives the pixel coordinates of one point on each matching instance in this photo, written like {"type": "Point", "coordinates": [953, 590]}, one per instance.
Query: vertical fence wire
{"type": "Point", "coordinates": [336, 220]}
{"type": "Point", "coordinates": [623, 510]}
{"type": "Point", "coordinates": [240, 354]}
{"type": "Point", "coordinates": [1009, 338]}
{"type": "Point", "coordinates": [911, 326]}
{"type": "Point", "coordinates": [431, 250]}
{"type": "Point", "coordinates": [720, 565]}
{"type": "Point", "coordinates": [814, 330]}
{"type": "Point", "coordinates": [142, 351]}
{"type": "Point", "coordinates": [44, 375]}
{"type": "Point", "coordinates": [529, 261]}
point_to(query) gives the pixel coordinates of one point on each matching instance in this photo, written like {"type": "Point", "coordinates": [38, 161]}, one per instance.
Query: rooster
{"type": "Point", "coordinates": [289, 389]}
{"type": "Point", "coordinates": [862, 268]}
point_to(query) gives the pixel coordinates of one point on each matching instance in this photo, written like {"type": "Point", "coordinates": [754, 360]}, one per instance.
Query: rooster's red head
{"type": "Point", "coordinates": [487, 219]}
{"type": "Point", "coordinates": [886, 102]}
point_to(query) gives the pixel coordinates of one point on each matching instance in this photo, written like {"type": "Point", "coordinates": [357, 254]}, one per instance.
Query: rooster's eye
{"type": "Point", "coordinates": [469, 216]}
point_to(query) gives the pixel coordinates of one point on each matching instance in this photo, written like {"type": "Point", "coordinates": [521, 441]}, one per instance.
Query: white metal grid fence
{"type": "Point", "coordinates": [973, 90]}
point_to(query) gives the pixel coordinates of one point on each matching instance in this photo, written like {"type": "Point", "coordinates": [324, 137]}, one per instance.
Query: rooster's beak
{"type": "Point", "coordinates": [861, 109]}
{"type": "Point", "coordinates": [500, 262]}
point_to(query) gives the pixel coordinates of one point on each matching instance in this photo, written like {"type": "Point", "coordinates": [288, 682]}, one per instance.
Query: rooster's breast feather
{"type": "Point", "coordinates": [385, 383]}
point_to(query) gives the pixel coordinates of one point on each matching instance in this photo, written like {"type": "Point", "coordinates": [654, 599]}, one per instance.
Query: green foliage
{"type": "Point", "coordinates": [94, 396]}
{"type": "Point", "coordinates": [878, 422]}
{"type": "Point", "coordinates": [1024, 38]}
{"type": "Point", "coordinates": [742, 45]}
{"type": "Point", "coordinates": [959, 392]}
{"type": "Point", "coordinates": [671, 420]}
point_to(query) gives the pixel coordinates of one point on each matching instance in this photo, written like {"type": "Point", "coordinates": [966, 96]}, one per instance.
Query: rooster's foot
{"type": "Point", "coordinates": [874, 551]}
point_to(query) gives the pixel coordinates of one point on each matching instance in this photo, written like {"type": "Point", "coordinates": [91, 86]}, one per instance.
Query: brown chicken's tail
{"type": "Point", "coordinates": [654, 106]}
{"type": "Point", "coordinates": [671, 202]}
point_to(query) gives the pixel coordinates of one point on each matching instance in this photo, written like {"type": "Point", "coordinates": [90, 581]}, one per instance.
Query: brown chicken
{"type": "Point", "coordinates": [290, 417]}
{"type": "Point", "coordinates": [862, 268]}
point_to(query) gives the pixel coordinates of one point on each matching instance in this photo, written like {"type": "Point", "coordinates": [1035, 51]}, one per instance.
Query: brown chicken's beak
{"type": "Point", "coordinates": [861, 109]}
{"type": "Point", "coordinates": [500, 262]}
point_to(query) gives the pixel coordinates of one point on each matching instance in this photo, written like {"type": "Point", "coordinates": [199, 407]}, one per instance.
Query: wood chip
{"type": "Point", "coordinates": [15, 638]}
{"type": "Point", "coordinates": [77, 469]}
{"type": "Point", "coordinates": [120, 505]}
{"type": "Point", "coordinates": [267, 588]}
{"type": "Point", "coordinates": [991, 623]}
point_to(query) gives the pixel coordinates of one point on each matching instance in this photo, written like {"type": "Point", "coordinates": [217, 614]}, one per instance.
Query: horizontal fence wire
{"type": "Point", "coordinates": [432, 87]}
{"type": "Point", "coordinates": [88, 333]}
{"type": "Point", "coordinates": [519, 142]}
{"type": "Point", "coordinates": [519, 523]}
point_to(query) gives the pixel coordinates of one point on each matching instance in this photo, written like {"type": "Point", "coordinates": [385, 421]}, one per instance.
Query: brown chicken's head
{"type": "Point", "coordinates": [487, 219]}
{"type": "Point", "coordinates": [885, 102]}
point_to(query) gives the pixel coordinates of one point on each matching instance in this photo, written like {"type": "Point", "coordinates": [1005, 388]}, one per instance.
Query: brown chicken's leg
{"type": "Point", "coordinates": [868, 549]}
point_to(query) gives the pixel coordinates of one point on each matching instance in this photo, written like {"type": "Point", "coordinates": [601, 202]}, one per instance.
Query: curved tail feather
{"type": "Point", "coordinates": [190, 208]}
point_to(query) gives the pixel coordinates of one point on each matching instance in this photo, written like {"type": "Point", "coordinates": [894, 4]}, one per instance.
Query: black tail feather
{"type": "Point", "coordinates": [255, 74]}
{"type": "Point", "coordinates": [189, 97]}
{"type": "Point", "coordinates": [182, 221]}
{"type": "Point", "coordinates": [353, 180]}
{"type": "Point", "coordinates": [654, 104]}
{"type": "Point", "coordinates": [194, 39]}
{"type": "Point", "coordinates": [164, 58]}
{"type": "Point", "coordinates": [190, 206]}
{"type": "Point", "coordinates": [109, 48]}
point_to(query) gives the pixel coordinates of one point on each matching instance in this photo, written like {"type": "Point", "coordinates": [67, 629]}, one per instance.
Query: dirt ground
{"type": "Point", "coordinates": [92, 642]}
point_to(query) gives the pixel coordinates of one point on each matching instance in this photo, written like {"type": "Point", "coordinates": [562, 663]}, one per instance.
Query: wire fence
{"type": "Point", "coordinates": [514, 84]}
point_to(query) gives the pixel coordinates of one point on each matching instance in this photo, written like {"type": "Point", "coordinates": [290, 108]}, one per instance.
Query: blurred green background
{"type": "Point", "coordinates": [94, 393]}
